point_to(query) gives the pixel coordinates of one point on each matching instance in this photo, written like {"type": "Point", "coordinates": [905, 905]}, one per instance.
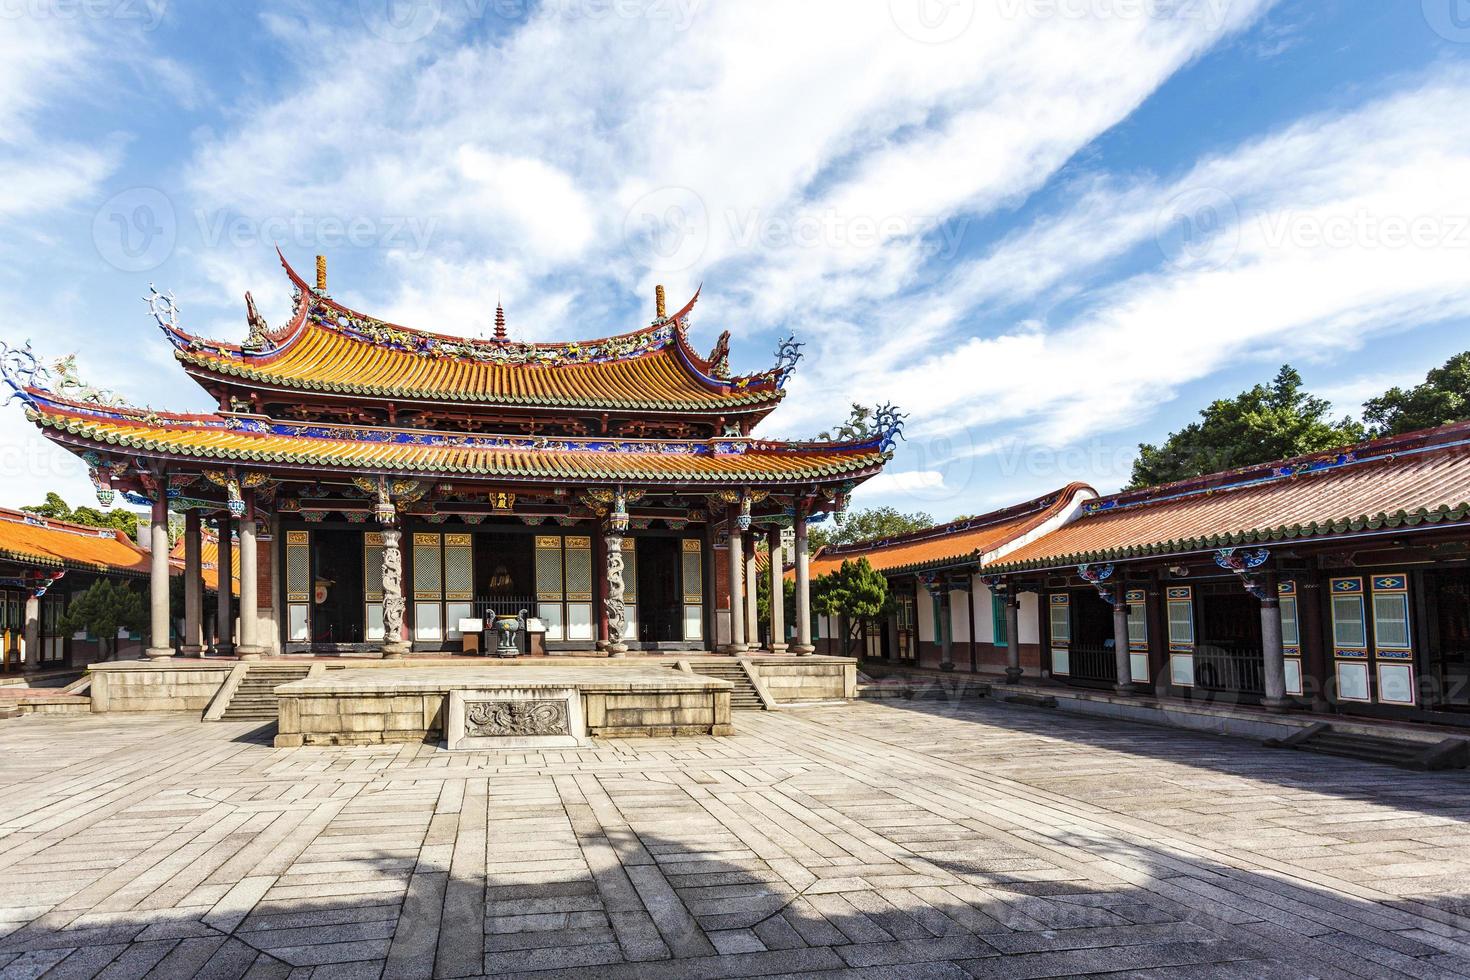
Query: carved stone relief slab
{"type": "Point", "coordinates": [515, 718]}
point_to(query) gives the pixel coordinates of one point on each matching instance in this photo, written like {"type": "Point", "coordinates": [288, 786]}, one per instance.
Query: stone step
{"type": "Point", "coordinates": [1323, 739]}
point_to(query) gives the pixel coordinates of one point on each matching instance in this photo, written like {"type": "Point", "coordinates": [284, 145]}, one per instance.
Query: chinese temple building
{"type": "Point", "coordinates": [375, 485]}
{"type": "Point", "coordinates": [1335, 582]}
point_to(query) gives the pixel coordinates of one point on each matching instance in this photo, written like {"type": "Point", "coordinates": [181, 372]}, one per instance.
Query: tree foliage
{"type": "Point", "coordinates": [855, 590]}
{"type": "Point", "coordinates": [863, 525]}
{"type": "Point", "coordinates": [1266, 422]}
{"type": "Point", "coordinates": [56, 509]}
{"type": "Point", "coordinates": [104, 609]}
{"type": "Point", "coordinates": [1442, 398]}
{"type": "Point", "coordinates": [763, 602]}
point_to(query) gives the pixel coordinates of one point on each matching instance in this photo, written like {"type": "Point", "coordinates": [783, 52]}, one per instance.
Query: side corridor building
{"type": "Point", "coordinates": [1335, 581]}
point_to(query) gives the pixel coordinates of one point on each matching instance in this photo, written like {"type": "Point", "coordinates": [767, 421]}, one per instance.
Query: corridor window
{"type": "Point", "coordinates": [1061, 620]}
{"type": "Point", "coordinates": [1349, 630]}
{"type": "Point", "coordinates": [1391, 620]}
{"type": "Point", "coordinates": [1137, 619]}
{"type": "Point", "coordinates": [1181, 617]}
{"type": "Point", "coordinates": [998, 618]}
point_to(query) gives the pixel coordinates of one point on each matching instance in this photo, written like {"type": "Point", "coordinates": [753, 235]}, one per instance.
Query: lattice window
{"type": "Point", "coordinates": [298, 566]}
{"type": "Point", "coordinates": [548, 568]}
{"type": "Point", "coordinates": [459, 566]}
{"type": "Point", "coordinates": [630, 569]}
{"type": "Point", "coordinates": [1137, 601]}
{"type": "Point", "coordinates": [1179, 604]}
{"type": "Point", "coordinates": [1060, 620]}
{"type": "Point", "coordinates": [428, 571]}
{"type": "Point", "coordinates": [693, 571]}
{"type": "Point", "coordinates": [372, 566]}
{"type": "Point", "coordinates": [579, 568]}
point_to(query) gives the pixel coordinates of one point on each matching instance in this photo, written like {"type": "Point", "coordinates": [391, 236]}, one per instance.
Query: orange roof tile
{"type": "Point", "coordinates": [1416, 481]}
{"type": "Point", "coordinates": [957, 542]}
{"type": "Point", "coordinates": [29, 539]}
{"type": "Point", "coordinates": [209, 560]}
{"type": "Point", "coordinates": [442, 454]}
{"type": "Point", "coordinates": [330, 348]}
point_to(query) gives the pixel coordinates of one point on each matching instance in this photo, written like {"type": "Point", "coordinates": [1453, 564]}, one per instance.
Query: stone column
{"type": "Point", "coordinates": [33, 634]}
{"type": "Point", "coordinates": [599, 591]}
{"type": "Point", "coordinates": [1121, 655]}
{"type": "Point", "coordinates": [158, 649]}
{"type": "Point", "coordinates": [778, 592]}
{"type": "Point", "coordinates": [804, 646]}
{"type": "Point", "coordinates": [944, 607]}
{"type": "Point", "coordinates": [249, 647]}
{"type": "Point", "coordinates": [736, 558]}
{"type": "Point", "coordinates": [394, 605]}
{"type": "Point", "coordinates": [193, 641]}
{"type": "Point", "coordinates": [1013, 635]}
{"type": "Point", "coordinates": [752, 605]}
{"type": "Point", "coordinates": [1271, 652]}
{"type": "Point", "coordinates": [616, 602]}
{"type": "Point", "coordinates": [224, 606]}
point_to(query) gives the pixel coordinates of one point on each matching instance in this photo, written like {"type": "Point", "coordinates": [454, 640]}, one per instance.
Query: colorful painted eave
{"type": "Point", "coordinates": [356, 449]}
{"type": "Point", "coordinates": [329, 348]}
{"type": "Point", "coordinates": [1415, 482]}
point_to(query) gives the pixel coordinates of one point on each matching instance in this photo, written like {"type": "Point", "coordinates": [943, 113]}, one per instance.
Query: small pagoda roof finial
{"type": "Point", "coordinates": [659, 305]}
{"type": "Point", "coordinates": [321, 273]}
{"type": "Point", "coordinates": [500, 333]}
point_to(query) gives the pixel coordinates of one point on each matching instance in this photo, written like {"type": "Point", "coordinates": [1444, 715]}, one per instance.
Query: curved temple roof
{"type": "Point", "coordinates": [375, 450]}
{"type": "Point", "coordinates": [331, 349]}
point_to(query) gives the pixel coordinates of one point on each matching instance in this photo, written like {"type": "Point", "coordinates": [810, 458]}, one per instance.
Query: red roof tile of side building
{"type": "Point", "coordinates": [331, 349]}
{"type": "Point", "coordinates": [42, 542]}
{"type": "Point", "coordinates": [971, 540]}
{"type": "Point", "coordinates": [1420, 480]}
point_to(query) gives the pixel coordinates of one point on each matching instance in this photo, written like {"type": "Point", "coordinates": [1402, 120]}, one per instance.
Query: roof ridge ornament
{"type": "Point", "coordinates": [788, 353]}
{"type": "Point", "coordinates": [21, 369]}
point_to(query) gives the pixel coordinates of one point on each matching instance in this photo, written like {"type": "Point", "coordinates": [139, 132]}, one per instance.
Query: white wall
{"type": "Point", "coordinates": [924, 611]}
{"type": "Point", "coordinates": [1027, 613]}
{"type": "Point", "coordinates": [959, 616]}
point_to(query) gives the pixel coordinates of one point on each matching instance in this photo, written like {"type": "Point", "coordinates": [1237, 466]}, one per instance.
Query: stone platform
{"type": "Point", "coordinates": [361, 706]}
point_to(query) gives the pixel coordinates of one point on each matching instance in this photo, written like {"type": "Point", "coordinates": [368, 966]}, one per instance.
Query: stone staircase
{"type": "Point", "coordinates": [255, 698]}
{"type": "Point", "coordinates": [1450, 753]}
{"type": "Point", "coordinates": [743, 696]}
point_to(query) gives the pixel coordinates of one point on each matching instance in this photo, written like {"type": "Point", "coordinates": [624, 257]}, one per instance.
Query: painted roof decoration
{"type": "Point", "coordinates": [957, 542]}
{"type": "Point", "coordinates": [31, 540]}
{"type": "Point", "coordinates": [143, 432]}
{"type": "Point", "coordinates": [1417, 480]}
{"type": "Point", "coordinates": [328, 348]}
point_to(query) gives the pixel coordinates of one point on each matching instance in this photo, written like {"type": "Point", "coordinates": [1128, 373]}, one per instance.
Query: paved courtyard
{"type": "Point", "coordinates": [892, 840]}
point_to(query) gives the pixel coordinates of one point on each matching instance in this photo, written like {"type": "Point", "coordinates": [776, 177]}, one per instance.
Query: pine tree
{"type": "Point", "coordinates": [104, 609]}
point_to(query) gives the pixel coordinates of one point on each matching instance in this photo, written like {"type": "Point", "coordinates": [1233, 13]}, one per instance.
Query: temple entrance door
{"type": "Point", "coordinates": [1447, 599]}
{"type": "Point", "coordinates": [337, 610]}
{"type": "Point", "coordinates": [660, 591]}
{"type": "Point", "coordinates": [505, 574]}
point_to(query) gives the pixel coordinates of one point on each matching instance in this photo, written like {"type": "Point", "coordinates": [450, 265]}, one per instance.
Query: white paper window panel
{"type": "Point", "coordinates": [1060, 661]}
{"type": "Point", "coordinates": [1027, 613]}
{"type": "Point", "coordinates": [1138, 667]}
{"type": "Point", "coordinates": [1293, 676]}
{"type": "Point", "coordinates": [630, 632]}
{"type": "Point", "coordinates": [550, 613]}
{"type": "Point", "coordinates": [1137, 624]}
{"type": "Point", "coordinates": [1290, 632]}
{"type": "Point", "coordinates": [1181, 669]}
{"type": "Point", "coordinates": [1391, 621]}
{"type": "Point", "coordinates": [298, 623]}
{"type": "Point", "coordinates": [453, 613]}
{"type": "Point", "coordinates": [693, 622]}
{"type": "Point", "coordinates": [1395, 684]}
{"type": "Point", "coordinates": [374, 628]}
{"type": "Point", "coordinates": [427, 624]}
{"type": "Point", "coordinates": [1347, 622]}
{"type": "Point", "coordinates": [1181, 623]}
{"type": "Point", "coordinates": [1352, 681]}
{"type": "Point", "coordinates": [579, 621]}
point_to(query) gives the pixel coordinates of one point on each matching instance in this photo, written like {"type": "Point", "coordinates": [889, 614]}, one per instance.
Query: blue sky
{"type": "Point", "coordinates": [1047, 229]}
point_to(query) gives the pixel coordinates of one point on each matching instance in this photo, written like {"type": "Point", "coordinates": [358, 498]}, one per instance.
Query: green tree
{"type": "Point", "coordinates": [854, 591]}
{"type": "Point", "coordinates": [763, 602]}
{"type": "Point", "coordinates": [1442, 398]}
{"type": "Point", "coordinates": [1271, 421]}
{"type": "Point", "coordinates": [863, 525]}
{"type": "Point", "coordinates": [56, 509]}
{"type": "Point", "coordinates": [104, 609]}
